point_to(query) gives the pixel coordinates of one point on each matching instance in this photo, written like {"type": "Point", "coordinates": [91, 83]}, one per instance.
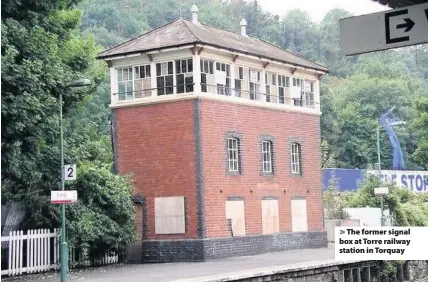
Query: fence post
{"type": "Point", "coordinates": [34, 250]}
{"type": "Point", "coordinates": [49, 249]}
{"type": "Point", "coordinates": [54, 247]}
{"type": "Point", "coordinates": [39, 257]}
{"type": "Point", "coordinates": [12, 251]}
{"type": "Point", "coordinates": [46, 244]}
{"type": "Point", "coordinates": [31, 250]}
{"type": "Point", "coordinates": [21, 247]}
{"type": "Point", "coordinates": [28, 249]}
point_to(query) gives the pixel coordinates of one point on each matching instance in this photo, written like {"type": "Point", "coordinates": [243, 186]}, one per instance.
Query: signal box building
{"type": "Point", "coordinates": [222, 134]}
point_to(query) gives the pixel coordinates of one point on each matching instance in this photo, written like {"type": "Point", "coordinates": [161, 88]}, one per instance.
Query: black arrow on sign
{"type": "Point", "coordinates": [408, 25]}
{"type": "Point", "coordinates": [390, 15]}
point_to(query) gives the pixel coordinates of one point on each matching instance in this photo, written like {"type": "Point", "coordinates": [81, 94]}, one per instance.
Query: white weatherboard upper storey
{"type": "Point", "coordinates": [217, 56]}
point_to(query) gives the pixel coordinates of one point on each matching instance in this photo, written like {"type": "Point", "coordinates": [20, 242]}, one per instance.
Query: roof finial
{"type": "Point", "coordinates": [194, 10]}
{"type": "Point", "coordinates": [243, 24]}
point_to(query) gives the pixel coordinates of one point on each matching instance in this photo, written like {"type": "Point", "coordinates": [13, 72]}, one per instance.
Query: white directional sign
{"type": "Point", "coordinates": [384, 30]}
{"type": "Point", "coordinates": [381, 191]}
{"type": "Point", "coordinates": [70, 172]}
{"type": "Point", "coordinates": [58, 197]}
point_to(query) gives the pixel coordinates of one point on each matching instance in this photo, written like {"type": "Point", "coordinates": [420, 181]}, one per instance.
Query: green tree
{"type": "Point", "coordinates": [334, 203]}
{"type": "Point", "coordinates": [328, 159]}
{"type": "Point", "coordinates": [406, 208]}
{"type": "Point", "coordinates": [42, 51]}
{"type": "Point", "coordinates": [328, 48]}
{"type": "Point", "coordinates": [300, 34]}
{"type": "Point", "coordinates": [420, 126]}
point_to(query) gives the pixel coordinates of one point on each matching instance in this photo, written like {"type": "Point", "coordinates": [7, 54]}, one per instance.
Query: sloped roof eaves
{"type": "Point", "coordinates": [266, 57]}
{"type": "Point", "coordinates": [106, 57]}
{"type": "Point", "coordinates": [186, 33]}
{"type": "Point", "coordinates": [248, 45]}
{"type": "Point", "coordinates": [174, 33]}
{"type": "Point", "coordinates": [120, 54]}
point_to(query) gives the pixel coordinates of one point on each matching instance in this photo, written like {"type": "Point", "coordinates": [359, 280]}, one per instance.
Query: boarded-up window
{"type": "Point", "coordinates": [299, 218]}
{"type": "Point", "coordinates": [270, 216]}
{"type": "Point", "coordinates": [235, 211]}
{"type": "Point", "coordinates": [169, 215]}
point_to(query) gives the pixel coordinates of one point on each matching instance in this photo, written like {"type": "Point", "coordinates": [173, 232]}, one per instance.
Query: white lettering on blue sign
{"type": "Point", "coordinates": [416, 181]}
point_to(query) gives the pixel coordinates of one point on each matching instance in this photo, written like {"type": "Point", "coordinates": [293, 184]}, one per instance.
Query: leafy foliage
{"type": "Point", "coordinates": [328, 160]}
{"type": "Point", "coordinates": [43, 50]}
{"type": "Point", "coordinates": [407, 208]}
{"type": "Point", "coordinates": [334, 203]}
{"type": "Point", "coordinates": [420, 126]}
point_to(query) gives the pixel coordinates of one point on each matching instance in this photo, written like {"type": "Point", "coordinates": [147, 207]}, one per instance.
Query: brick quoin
{"type": "Point", "coordinates": [157, 143]}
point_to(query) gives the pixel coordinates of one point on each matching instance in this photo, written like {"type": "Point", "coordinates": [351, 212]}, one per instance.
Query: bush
{"type": "Point", "coordinates": [406, 208]}
{"type": "Point", "coordinates": [334, 203]}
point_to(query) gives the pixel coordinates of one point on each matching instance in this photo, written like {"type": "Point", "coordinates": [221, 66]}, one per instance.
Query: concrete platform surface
{"type": "Point", "coordinates": [187, 271]}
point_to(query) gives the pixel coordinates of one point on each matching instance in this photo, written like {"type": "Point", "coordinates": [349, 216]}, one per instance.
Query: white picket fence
{"type": "Point", "coordinates": [38, 251]}
{"type": "Point", "coordinates": [38, 245]}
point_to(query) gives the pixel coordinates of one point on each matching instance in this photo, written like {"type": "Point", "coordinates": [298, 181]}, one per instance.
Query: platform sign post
{"type": "Point", "coordinates": [63, 197]}
{"type": "Point", "coordinates": [383, 191]}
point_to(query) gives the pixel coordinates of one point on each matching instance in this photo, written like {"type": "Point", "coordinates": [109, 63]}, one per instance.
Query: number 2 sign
{"type": "Point", "coordinates": [70, 172]}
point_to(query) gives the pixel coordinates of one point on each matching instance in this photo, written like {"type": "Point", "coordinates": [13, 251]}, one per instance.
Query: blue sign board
{"type": "Point", "coordinates": [349, 179]}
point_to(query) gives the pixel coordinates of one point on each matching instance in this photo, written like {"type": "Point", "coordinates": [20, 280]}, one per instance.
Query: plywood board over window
{"type": "Point", "coordinates": [270, 216]}
{"type": "Point", "coordinates": [235, 211]}
{"type": "Point", "coordinates": [299, 218]}
{"type": "Point", "coordinates": [170, 215]}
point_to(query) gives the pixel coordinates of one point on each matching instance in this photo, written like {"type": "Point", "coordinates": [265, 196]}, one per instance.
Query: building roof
{"type": "Point", "coordinates": [182, 32]}
{"type": "Point", "coordinates": [400, 3]}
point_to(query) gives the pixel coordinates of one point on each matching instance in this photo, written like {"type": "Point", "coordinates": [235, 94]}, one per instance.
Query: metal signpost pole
{"type": "Point", "coordinates": [64, 252]}
{"type": "Point", "coordinates": [382, 219]}
{"type": "Point", "coordinates": [64, 246]}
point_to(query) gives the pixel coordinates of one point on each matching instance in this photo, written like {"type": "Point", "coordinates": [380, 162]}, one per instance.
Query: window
{"type": "Point", "coordinates": [365, 274]}
{"type": "Point", "coordinates": [235, 214]}
{"type": "Point", "coordinates": [299, 218]}
{"type": "Point", "coordinates": [283, 85]}
{"type": "Point", "coordinates": [300, 84]}
{"type": "Point", "coordinates": [238, 80]}
{"type": "Point", "coordinates": [164, 78]}
{"type": "Point", "coordinates": [296, 159]}
{"type": "Point", "coordinates": [222, 74]}
{"type": "Point", "coordinates": [271, 92]}
{"type": "Point", "coordinates": [267, 93]}
{"type": "Point", "coordinates": [351, 275]}
{"type": "Point", "coordinates": [306, 96]}
{"type": "Point", "coordinates": [238, 88]}
{"type": "Point", "coordinates": [270, 216]}
{"type": "Point", "coordinates": [125, 83]}
{"type": "Point", "coordinates": [309, 94]}
{"type": "Point", "coordinates": [142, 72]}
{"type": "Point", "coordinates": [267, 149]}
{"type": "Point", "coordinates": [233, 154]}
{"type": "Point", "coordinates": [254, 84]}
{"type": "Point", "coordinates": [207, 71]}
{"type": "Point", "coordinates": [184, 75]}
{"type": "Point", "coordinates": [142, 81]}
{"type": "Point", "coordinates": [170, 215]}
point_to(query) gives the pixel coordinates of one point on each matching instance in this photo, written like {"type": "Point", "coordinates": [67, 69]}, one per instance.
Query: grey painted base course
{"type": "Point", "coordinates": [208, 249]}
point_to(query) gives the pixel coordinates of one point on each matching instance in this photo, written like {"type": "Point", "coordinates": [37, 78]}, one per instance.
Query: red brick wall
{"type": "Point", "coordinates": [251, 122]}
{"type": "Point", "coordinates": [156, 143]}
